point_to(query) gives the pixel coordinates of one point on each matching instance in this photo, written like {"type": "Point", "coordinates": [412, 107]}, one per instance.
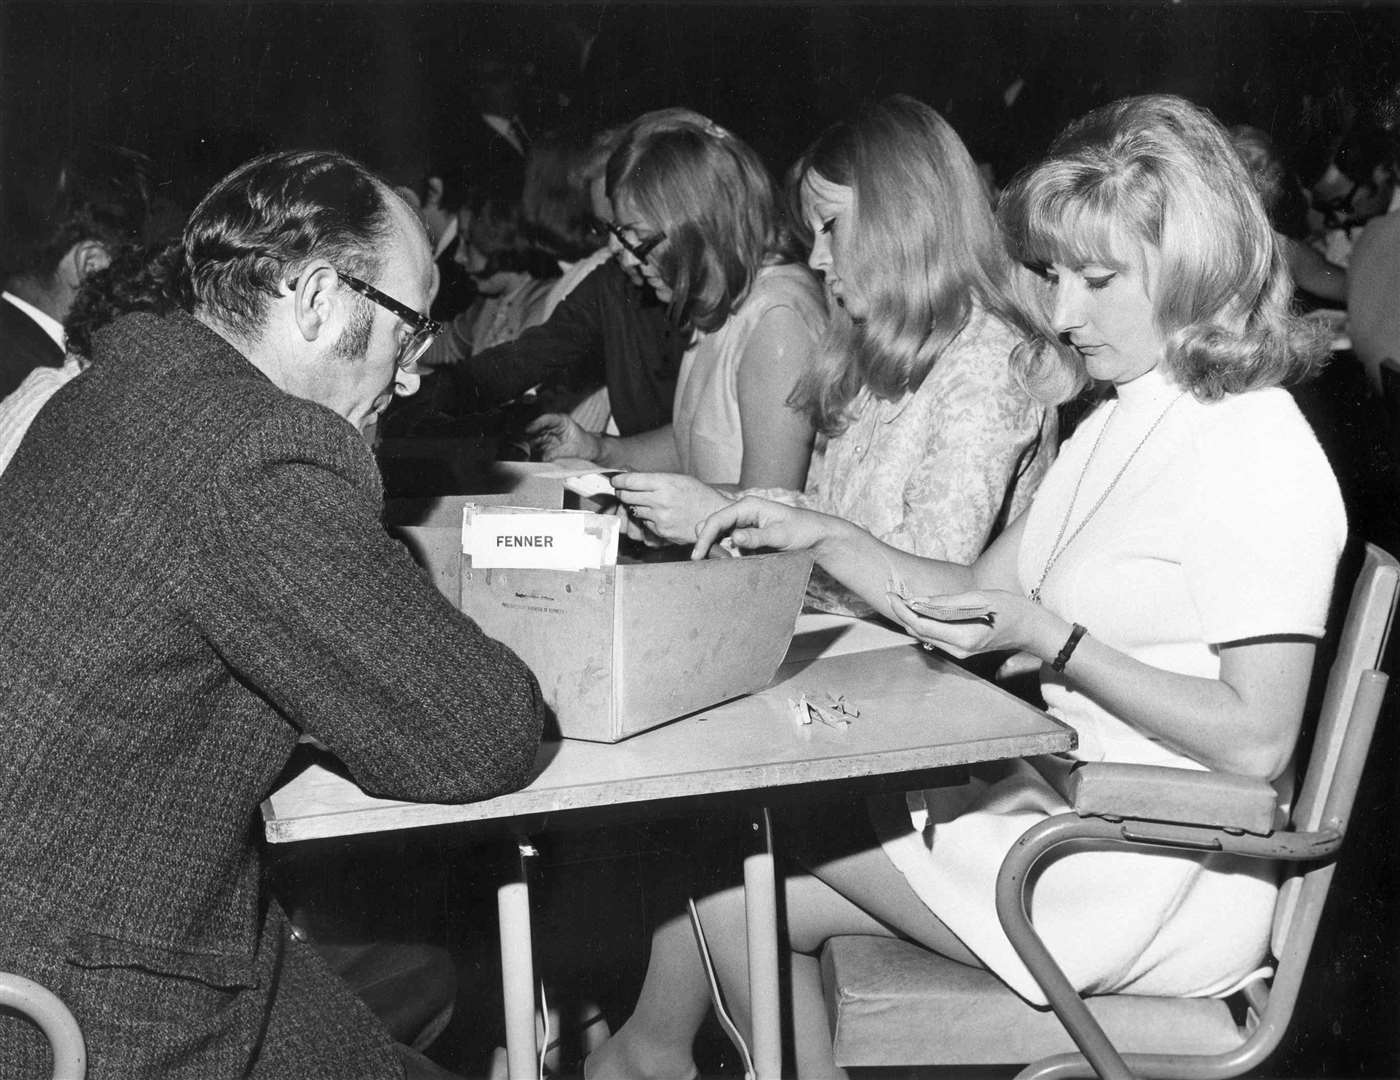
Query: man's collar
{"type": "Point", "coordinates": [501, 126]}
{"type": "Point", "coordinates": [47, 323]}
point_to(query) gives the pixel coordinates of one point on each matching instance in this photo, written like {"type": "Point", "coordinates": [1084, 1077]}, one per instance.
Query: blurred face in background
{"type": "Point", "coordinates": [1338, 202]}
{"type": "Point", "coordinates": [829, 212]}
{"type": "Point", "coordinates": [435, 218]}
{"type": "Point", "coordinates": [479, 238]}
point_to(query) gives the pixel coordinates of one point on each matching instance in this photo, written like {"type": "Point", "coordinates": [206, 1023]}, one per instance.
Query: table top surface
{"type": "Point", "coordinates": [917, 711]}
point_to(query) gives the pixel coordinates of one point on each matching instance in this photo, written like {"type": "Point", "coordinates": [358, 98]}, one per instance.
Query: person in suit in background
{"type": "Point", "coordinates": [494, 89]}
{"type": "Point", "coordinates": [490, 136]}
{"type": "Point", "coordinates": [56, 232]}
{"type": "Point", "coordinates": [440, 200]}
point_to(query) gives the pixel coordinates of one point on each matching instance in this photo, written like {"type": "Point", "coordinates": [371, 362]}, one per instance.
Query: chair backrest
{"type": "Point", "coordinates": [1360, 646]}
{"type": "Point", "coordinates": [1345, 723]}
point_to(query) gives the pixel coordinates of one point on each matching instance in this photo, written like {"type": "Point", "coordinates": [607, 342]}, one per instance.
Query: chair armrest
{"type": "Point", "coordinates": [1182, 796]}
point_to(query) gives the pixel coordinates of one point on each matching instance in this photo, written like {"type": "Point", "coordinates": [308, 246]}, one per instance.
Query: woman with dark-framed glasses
{"type": "Point", "coordinates": [695, 218]}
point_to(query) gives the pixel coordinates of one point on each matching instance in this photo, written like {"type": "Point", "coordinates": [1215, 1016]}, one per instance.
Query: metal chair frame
{"type": "Point", "coordinates": [1155, 808]}
{"type": "Point", "coordinates": [1314, 836]}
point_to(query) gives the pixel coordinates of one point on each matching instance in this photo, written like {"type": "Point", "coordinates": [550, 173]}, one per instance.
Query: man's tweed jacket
{"type": "Point", "coordinates": [192, 574]}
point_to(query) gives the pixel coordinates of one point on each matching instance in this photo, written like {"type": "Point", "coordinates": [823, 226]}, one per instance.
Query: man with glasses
{"type": "Point", "coordinates": [192, 577]}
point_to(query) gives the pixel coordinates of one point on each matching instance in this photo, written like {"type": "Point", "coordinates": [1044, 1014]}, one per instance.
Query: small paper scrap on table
{"type": "Point", "coordinates": [835, 712]}
{"type": "Point", "coordinates": [497, 537]}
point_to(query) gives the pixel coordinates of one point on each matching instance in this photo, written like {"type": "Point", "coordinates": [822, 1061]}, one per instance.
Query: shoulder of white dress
{"type": "Point", "coordinates": [1264, 422]}
{"type": "Point", "coordinates": [786, 285]}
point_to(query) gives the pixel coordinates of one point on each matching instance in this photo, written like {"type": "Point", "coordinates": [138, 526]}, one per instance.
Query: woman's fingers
{"type": "Point", "coordinates": [752, 523]}
{"type": "Point", "coordinates": [638, 481]}
{"type": "Point", "coordinates": [720, 524]}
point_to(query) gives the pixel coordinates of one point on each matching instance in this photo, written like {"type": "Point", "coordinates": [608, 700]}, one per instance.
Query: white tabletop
{"type": "Point", "coordinates": [918, 711]}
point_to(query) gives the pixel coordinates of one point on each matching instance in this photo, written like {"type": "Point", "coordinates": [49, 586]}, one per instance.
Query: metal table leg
{"type": "Point", "coordinates": [761, 911]}
{"type": "Point", "coordinates": [518, 968]}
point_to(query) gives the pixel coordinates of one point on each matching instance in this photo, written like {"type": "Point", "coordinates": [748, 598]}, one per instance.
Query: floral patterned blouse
{"type": "Point", "coordinates": [939, 470]}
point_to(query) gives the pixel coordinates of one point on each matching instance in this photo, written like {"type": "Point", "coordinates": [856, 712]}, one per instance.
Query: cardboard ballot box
{"type": "Point", "coordinates": [623, 648]}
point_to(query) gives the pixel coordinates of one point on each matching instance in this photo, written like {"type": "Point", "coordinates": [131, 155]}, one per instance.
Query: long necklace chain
{"type": "Point", "coordinates": [1057, 548]}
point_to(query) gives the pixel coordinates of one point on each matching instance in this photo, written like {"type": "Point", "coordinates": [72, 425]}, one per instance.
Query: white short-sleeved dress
{"type": "Point", "coordinates": [705, 420]}
{"type": "Point", "coordinates": [1226, 525]}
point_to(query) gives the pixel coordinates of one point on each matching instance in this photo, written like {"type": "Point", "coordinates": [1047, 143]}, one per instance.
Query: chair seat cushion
{"type": "Point", "coordinates": [893, 1003]}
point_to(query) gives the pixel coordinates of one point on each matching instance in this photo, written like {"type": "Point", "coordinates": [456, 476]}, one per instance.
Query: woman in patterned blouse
{"type": "Point", "coordinates": [926, 439]}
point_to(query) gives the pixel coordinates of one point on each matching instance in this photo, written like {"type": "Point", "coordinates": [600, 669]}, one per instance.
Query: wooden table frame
{"type": "Point", "coordinates": [918, 712]}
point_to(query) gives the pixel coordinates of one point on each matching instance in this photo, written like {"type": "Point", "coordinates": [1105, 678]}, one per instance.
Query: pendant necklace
{"type": "Point", "coordinates": [1057, 548]}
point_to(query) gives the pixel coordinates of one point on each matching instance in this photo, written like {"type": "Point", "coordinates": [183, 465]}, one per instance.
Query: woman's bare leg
{"type": "Point", "coordinates": [852, 888]}
{"type": "Point", "coordinates": [656, 1041]}
{"type": "Point", "coordinates": [816, 911]}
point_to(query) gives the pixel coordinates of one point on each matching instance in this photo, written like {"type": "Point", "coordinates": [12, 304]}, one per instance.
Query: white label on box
{"type": "Point", "coordinates": [541, 540]}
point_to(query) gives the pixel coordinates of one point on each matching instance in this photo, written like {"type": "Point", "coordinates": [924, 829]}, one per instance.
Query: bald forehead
{"type": "Point", "coordinates": [408, 262]}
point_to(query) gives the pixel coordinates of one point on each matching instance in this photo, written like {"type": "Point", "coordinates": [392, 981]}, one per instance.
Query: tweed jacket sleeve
{"type": "Point", "coordinates": [329, 619]}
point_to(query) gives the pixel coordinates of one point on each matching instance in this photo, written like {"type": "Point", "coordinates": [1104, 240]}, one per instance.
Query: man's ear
{"type": "Point", "coordinates": [313, 300]}
{"type": "Point", "coordinates": [434, 196]}
{"type": "Point", "coordinates": [82, 259]}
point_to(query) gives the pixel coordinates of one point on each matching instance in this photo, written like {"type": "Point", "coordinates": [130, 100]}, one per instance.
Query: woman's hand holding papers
{"type": "Point", "coordinates": [670, 506]}
{"type": "Point", "coordinates": [977, 621]}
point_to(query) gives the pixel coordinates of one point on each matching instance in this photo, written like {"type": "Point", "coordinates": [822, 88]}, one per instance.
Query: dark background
{"type": "Point", "coordinates": [199, 86]}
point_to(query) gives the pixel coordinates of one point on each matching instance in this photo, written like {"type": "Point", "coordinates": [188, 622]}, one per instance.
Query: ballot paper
{"type": "Point", "coordinates": [594, 485]}
{"type": "Point", "coordinates": [496, 537]}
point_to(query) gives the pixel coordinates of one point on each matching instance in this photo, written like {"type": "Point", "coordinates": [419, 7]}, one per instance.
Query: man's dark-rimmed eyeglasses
{"type": "Point", "coordinates": [423, 328]}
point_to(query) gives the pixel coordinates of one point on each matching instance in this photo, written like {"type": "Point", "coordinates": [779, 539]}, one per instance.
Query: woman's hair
{"type": "Point", "coordinates": [712, 197]}
{"type": "Point", "coordinates": [592, 163]}
{"type": "Point", "coordinates": [794, 221]}
{"type": "Point", "coordinates": [1157, 171]}
{"type": "Point", "coordinates": [153, 280]}
{"type": "Point", "coordinates": [555, 212]}
{"type": "Point", "coordinates": [1262, 163]}
{"type": "Point", "coordinates": [922, 249]}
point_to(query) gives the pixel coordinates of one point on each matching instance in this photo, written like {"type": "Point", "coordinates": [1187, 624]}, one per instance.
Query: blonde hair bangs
{"type": "Point", "coordinates": [1158, 171]}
